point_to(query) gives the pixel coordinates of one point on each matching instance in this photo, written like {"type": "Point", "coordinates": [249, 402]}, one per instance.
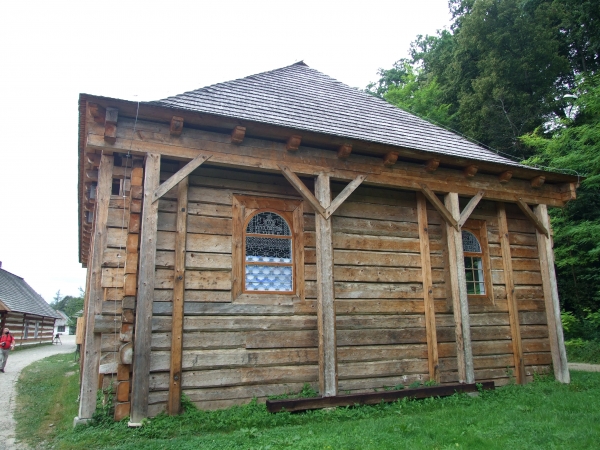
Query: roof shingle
{"type": "Point", "coordinates": [303, 98]}
{"type": "Point", "coordinates": [18, 296]}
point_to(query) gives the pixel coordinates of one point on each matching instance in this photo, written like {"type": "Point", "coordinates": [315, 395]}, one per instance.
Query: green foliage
{"type": "Point", "coordinates": [576, 145]}
{"type": "Point", "coordinates": [71, 306]}
{"type": "Point", "coordinates": [543, 414]}
{"type": "Point", "coordinates": [306, 392]}
{"type": "Point", "coordinates": [579, 350]}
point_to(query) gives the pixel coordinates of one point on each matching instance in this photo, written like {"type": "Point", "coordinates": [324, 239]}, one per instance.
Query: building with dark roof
{"type": "Point", "coordinates": [281, 229]}
{"type": "Point", "coordinates": [28, 316]}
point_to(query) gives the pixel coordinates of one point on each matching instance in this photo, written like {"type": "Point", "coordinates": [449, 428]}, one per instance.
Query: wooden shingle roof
{"type": "Point", "coordinates": [303, 98]}
{"type": "Point", "coordinates": [17, 296]}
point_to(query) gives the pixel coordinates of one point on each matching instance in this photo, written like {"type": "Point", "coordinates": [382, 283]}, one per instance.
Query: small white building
{"type": "Point", "coordinates": [60, 325]}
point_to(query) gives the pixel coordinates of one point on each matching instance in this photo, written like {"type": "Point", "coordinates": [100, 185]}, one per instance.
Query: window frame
{"type": "Point", "coordinates": [479, 229]}
{"type": "Point", "coordinates": [244, 208]}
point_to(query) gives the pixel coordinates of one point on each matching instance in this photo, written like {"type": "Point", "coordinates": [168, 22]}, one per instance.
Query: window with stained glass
{"type": "Point", "coordinates": [268, 258]}
{"type": "Point", "coordinates": [473, 264]}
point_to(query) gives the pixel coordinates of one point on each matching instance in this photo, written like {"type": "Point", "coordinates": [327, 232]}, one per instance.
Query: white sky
{"type": "Point", "coordinates": [50, 51]}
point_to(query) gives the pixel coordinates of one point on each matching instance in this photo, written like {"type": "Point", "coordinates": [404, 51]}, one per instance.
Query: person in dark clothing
{"type": "Point", "coordinates": [7, 343]}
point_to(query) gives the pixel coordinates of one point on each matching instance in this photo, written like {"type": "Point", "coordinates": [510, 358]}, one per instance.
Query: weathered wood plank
{"type": "Point", "coordinates": [92, 340]}
{"type": "Point", "coordinates": [513, 308]}
{"type": "Point", "coordinates": [429, 304]}
{"type": "Point", "coordinates": [177, 177]}
{"type": "Point", "coordinates": [175, 367]}
{"type": "Point", "coordinates": [458, 287]}
{"type": "Point", "coordinates": [557, 343]}
{"type": "Point", "coordinates": [145, 292]}
{"type": "Point", "coordinates": [342, 196]}
{"type": "Point", "coordinates": [326, 324]}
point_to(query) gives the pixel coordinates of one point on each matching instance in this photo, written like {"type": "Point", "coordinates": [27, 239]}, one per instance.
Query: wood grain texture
{"type": "Point", "coordinates": [513, 308]}
{"type": "Point", "coordinates": [428, 289]}
{"type": "Point", "coordinates": [325, 293]}
{"type": "Point", "coordinates": [458, 286]}
{"type": "Point", "coordinates": [92, 340]}
{"type": "Point", "coordinates": [177, 177]}
{"type": "Point", "coordinates": [145, 292]}
{"type": "Point", "coordinates": [466, 213]}
{"type": "Point", "coordinates": [557, 342]}
{"type": "Point", "coordinates": [174, 401]}
{"type": "Point", "coordinates": [302, 189]}
{"type": "Point", "coordinates": [535, 220]}
{"type": "Point", "coordinates": [439, 206]}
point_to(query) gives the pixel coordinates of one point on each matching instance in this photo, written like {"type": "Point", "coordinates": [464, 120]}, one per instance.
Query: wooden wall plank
{"type": "Point", "coordinates": [92, 340]}
{"type": "Point", "coordinates": [557, 342]}
{"type": "Point", "coordinates": [145, 292]}
{"type": "Point", "coordinates": [513, 308]}
{"type": "Point", "coordinates": [428, 289]}
{"type": "Point", "coordinates": [325, 293]}
{"type": "Point", "coordinates": [174, 401]}
{"type": "Point", "coordinates": [458, 287]}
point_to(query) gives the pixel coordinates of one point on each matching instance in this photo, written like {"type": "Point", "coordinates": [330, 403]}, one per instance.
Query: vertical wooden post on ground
{"type": "Point", "coordinates": [325, 293]}
{"type": "Point", "coordinates": [555, 331]}
{"type": "Point", "coordinates": [174, 401]}
{"type": "Point", "coordinates": [92, 340]}
{"type": "Point", "coordinates": [145, 293]}
{"type": "Point", "coordinates": [458, 285]}
{"type": "Point", "coordinates": [432, 350]}
{"type": "Point", "coordinates": [513, 308]}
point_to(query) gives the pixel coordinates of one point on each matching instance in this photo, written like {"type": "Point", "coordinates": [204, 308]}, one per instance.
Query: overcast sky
{"type": "Point", "coordinates": [50, 51]}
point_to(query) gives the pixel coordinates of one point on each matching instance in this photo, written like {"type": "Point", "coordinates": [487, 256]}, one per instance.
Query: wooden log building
{"type": "Point", "coordinates": [252, 236]}
{"type": "Point", "coordinates": [24, 312]}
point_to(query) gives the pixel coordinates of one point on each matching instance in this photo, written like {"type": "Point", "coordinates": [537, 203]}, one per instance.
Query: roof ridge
{"type": "Point", "coordinates": [297, 63]}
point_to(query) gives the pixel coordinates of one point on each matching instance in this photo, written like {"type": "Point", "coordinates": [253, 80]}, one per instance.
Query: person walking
{"type": "Point", "coordinates": [7, 343]}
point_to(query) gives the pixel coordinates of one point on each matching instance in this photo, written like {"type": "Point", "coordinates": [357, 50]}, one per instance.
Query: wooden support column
{"type": "Point", "coordinates": [145, 293]}
{"type": "Point", "coordinates": [92, 341]}
{"type": "Point", "coordinates": [174, 401]}
{"type": "Point", "coordinates": [513, 309]}
{"type": "Point", "coordinates": [458, 285]}
{"type": "Point", "coordinates": [555, 331]}
{"type": "Point", "coordinates": [325, 293]}
{"type": "Point", "coordinates": [432, 350]}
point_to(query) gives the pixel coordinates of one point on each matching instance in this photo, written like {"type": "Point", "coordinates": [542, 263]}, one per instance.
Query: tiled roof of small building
{"type": "Point", "coordinates": [303, 98]}
{"type": "Point", "coordinates": [18, 296]}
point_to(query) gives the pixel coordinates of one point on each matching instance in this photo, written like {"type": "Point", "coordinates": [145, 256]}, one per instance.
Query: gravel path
{"type": "Point", "coordinates": [17, 361]}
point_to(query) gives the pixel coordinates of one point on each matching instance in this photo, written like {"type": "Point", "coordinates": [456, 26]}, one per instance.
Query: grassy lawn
{"type": "Point", "coordinates": [543, 415]}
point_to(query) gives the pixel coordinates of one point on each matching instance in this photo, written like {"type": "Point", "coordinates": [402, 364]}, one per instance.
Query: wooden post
{"type": "Point", "coordinates": [458, 286]}
{"type": "Point", "coordinates": [513, 308]}
{"type": "Point", "coordinates": [325, 293]}
{"type": "Point", "coordinates": [432, 350]}
{"type": "Point", "coordinates": [92, 341]}
{"type": "Point", "coordinates": [555, 331]}
{"type": "Point", "coordinates": [145, 294]}
{"type": "Point", "coordinates": [174, 402]}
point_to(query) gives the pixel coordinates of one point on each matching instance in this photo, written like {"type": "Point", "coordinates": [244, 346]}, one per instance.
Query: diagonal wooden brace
{"type": "Point", "coordinates": [532, 217]}
{"type": "Point", "coordinates": [310, 198]}
{"type": "Point", "coordinates": [177, 177]}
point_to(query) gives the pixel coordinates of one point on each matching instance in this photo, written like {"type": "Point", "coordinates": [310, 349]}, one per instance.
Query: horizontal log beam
{"type": "Point", "coordinates": [373, 398]}
{"type": "Point", "coordinates": [192, 143]}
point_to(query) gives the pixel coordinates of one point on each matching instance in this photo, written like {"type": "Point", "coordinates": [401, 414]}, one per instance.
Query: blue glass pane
{"type": "Point", "coordinates": [269, 278]}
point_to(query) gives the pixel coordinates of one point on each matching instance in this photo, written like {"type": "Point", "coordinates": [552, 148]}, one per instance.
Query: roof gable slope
{"type": "Point", "coordinates": [18, 296]}
{"type": "Point", "coordinates": [303, 98]}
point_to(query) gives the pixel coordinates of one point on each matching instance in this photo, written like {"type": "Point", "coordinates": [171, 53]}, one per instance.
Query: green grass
{"type": "Point", "coordinates": [541, 415]}
{"type": "Point", "coordinates": [579, 350]}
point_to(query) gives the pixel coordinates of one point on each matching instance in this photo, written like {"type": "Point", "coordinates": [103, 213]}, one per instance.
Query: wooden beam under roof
{"type": "Point", "coordinates": [537, 223]}
{"type": "Point", "coordinates": [390, 159]}
{"type": "Point", "coordinates": [470, 171]}
{"type": "Point", "coordinates": [154, 113]}
{"type": "Point", "coordinates": [237, 135]}
{"type": "Point", "coordinates": [252, 157]}
{"type": "Point", "coordinates": [176, 126]}
{"type": "Point", "coordinates": [538, 182]}
{"type": "Point", "coordinates": [432, 165]}
{"type": "Point", "coordinates": [344, 151]}
{"type": "Point", "coordinates": [505, 176]}
{"type": "Point", "coordinates": [293, 143]}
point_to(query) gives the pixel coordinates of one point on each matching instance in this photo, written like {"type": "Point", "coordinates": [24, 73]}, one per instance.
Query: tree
{"type": "Point", "coordinates": [70, 305]}
{"type": "Point", "coordinates": [576, 145]}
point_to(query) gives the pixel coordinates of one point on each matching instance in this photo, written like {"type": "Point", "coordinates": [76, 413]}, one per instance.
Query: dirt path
{"type": "Point", "coordinates": [583, 367]}
{"type": "Point", "coordinates": [17, 361]}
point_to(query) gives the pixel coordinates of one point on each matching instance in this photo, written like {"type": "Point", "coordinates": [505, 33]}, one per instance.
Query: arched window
{"type": "Point", "coordinates": [268, 258]}
{"type": "Point", "coordinates": [473, 264]}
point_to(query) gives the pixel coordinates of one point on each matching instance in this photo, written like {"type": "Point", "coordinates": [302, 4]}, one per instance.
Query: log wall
{"type": "Point", "coordinates": [262, 345]}
{"type": "Point", "coordinates": [17, 322]}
